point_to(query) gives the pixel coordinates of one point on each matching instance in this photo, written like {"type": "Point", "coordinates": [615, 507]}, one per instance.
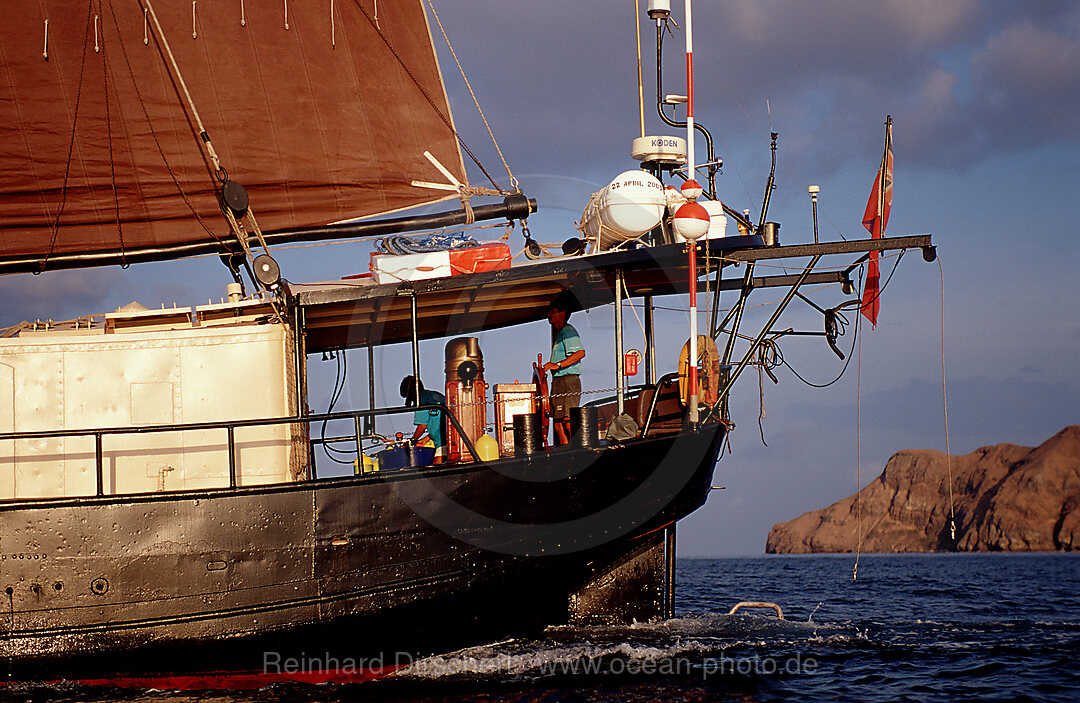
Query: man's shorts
{"type": "Point", "coordinates": [565, 394]}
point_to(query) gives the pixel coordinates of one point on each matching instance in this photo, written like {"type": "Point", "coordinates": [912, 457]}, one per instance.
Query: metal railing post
{"type": "Point", "coordinates": [359, 448]}
{"type": "Point", "coordinates": [232, 456]}
{"type": "Point", "coordinates": [99, 464]}
{"type": "Point", "coordinates": [620, 378]}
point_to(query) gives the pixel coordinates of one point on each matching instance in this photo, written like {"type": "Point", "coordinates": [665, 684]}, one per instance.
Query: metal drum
{"type": "Point", "coordinates": [770, 234]}
{"type": "Point", "coordinates": [585, 427]}
{"type": "Point", "coordinates": [527, 439]}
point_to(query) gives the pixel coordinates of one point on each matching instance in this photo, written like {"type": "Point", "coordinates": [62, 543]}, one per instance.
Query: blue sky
{"type": "Point", "coordinates": [984, 97]}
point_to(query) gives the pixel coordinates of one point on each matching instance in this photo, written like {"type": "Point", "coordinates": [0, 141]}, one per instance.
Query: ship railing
{"type": "Point", "coordinates": [357, 416]}
{"type": "Point", "coordinates": [634, 393]}
{"type": "Point", "coordinates": [360, 434]}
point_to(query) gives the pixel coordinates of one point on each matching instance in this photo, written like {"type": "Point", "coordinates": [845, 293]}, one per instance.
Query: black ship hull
{"type": "Point", "coordinates": [374, 568]}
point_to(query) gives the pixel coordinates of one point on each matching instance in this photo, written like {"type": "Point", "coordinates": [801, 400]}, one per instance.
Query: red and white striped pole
{"type": "Point", "coordinates": [690, 171]}
{"type": "Point", "coordinates": [691, 219]}
{"type": "Point", "coordinates": [689, 95]}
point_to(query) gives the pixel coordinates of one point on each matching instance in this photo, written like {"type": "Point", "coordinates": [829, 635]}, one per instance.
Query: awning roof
{"type": "Point", "coordinates": [355, 313]}
{"type": "Point", "coordinates": [358, 312]}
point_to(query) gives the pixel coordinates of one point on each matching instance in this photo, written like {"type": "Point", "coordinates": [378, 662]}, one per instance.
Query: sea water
{"type": "Point", "coordinates": [943, 627]}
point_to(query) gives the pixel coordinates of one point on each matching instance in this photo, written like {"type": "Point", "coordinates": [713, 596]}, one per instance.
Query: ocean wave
{"type": "Point", "coordinates": [676, 646]}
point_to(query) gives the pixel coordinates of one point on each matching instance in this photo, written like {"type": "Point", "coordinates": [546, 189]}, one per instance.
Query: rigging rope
{"type": "Point", "coordinates": [761, 397]}
{"type": "Point", "coordinates": [446, 120]}
{"type": "Point", "coordinates": [858, 458]}
{"type": "Point", "coordinates": [842, 320]}
{"type": "Point", "coordinates": [183, 87]}
{"type": "Point", "coordinates": [945, 405]}
{"type": "Point", "coordinates": [71, 147]}
{"type": "Point", "coordinates": [157, 142]}
{"type": "Point", "coordinates": [513, 180]}
{"type": "Point", "coordinates": [112, 160]}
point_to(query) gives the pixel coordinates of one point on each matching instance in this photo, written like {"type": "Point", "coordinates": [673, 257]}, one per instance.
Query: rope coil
{"type": "Point", "coordinates": [400, 244]}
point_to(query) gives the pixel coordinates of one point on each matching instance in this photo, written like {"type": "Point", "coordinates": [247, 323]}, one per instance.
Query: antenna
{"type": "Point", "coordinates": [640, 83]}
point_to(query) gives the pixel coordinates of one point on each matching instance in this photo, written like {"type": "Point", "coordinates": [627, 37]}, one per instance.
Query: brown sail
{"type": "Point", "coordinates": [321, 109]}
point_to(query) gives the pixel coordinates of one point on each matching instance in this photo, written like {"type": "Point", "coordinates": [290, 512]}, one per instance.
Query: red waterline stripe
{"type": "Point", "coordinates": [234, 680]}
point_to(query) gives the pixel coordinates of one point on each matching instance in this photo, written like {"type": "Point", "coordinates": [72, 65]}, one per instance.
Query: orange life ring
{"type": "Point", "coordinates": [708, 390]}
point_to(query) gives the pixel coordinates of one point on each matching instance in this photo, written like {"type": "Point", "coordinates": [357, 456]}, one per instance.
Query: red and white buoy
{"type": "Point", "coordinates": [691, 190]}
{"type": "Point", "coordinates": [691, 221]}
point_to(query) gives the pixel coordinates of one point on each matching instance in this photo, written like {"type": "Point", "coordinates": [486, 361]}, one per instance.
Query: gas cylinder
{"type": "Point", "coordinates": [466, 395]}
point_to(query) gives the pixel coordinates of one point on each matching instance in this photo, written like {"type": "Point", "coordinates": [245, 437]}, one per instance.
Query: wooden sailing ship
{"type": "Point", "coordinates": [161, 505]}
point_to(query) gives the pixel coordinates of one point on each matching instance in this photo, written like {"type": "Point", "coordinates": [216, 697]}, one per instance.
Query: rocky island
{"type": "Point", "coordinates": [1006, 497]}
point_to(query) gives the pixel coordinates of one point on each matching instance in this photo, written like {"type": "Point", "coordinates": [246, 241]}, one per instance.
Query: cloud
{"type": "Point", "coordinates": [57, 295]}
{"type": "Point", "coordinates": [964, 80]}
{"type": "Point", "coordinates": [1022, 409]}
{"type": "Point", "coordinates": [1026, 80]}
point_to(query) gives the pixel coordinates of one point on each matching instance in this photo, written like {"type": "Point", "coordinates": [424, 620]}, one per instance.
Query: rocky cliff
{"type": "Point", "coordinates": [1006, 497]}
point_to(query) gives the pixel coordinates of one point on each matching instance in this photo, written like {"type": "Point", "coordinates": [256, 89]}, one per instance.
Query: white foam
{"type": "Point", "coordinates": [569, 650]}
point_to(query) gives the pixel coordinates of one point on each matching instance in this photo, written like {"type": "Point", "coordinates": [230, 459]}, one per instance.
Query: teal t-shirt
{"type": "Point", "coordinates": [432, 418]}
{"type": "Point", "coordinates": [566, 343]}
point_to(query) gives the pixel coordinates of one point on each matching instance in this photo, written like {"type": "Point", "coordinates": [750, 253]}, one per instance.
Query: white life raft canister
{"type": "Point", "coordinates": [629, 207]}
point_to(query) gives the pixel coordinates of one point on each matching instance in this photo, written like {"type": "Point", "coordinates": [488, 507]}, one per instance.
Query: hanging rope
{"type": "Point", "coordinates": [183, 87]}
{"type": "Point", "coordinates": [153, 133]}
{"type": "Point", "coordinates": [761, 402]}
{"type": "Point", "coordinates": [858, 457]}
{"type": "Point", "coordinates": [71, 147]}
{"type": "Point", "coordinates": [112, 159]}
{"type": "Point", "coordinates": [945, 405]}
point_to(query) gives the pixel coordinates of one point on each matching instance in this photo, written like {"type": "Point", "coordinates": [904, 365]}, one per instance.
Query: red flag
{"type": "Point", "coordinates": [875, 218]}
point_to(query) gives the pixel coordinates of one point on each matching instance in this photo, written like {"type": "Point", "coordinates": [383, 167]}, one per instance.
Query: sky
{"type": "Point", "coordinates": [984, 98]}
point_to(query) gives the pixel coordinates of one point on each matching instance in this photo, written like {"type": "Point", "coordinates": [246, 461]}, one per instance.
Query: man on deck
{"type": "Point", "coordinates": [429, 421]}
{"type": "Point", "coordinates": [565, 367]}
